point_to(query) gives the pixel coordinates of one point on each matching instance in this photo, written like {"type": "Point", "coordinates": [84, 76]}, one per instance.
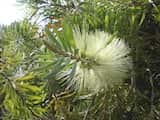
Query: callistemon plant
{"type": "Point", "coordinates": [100, 59]}
{"type": "Point", "coordinates": [104, 60]}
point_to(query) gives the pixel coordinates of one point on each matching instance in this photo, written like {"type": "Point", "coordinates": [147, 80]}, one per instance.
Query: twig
{"type": "Point", "coordinates": [59, 52]}
{"type": "Point", "coordinates": [86, 113]}
{"type": "Point", "coordinates": [152, 93]}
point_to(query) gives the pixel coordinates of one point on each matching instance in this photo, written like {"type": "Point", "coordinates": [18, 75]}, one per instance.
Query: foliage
{"type": "Point", "coordinates": [39, 63]}
{"type": "Point", "coordinates": [21, 88]}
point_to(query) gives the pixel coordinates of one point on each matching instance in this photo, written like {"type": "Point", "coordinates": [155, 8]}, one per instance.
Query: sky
{"type": "Point", "coordinates": [10, 12]}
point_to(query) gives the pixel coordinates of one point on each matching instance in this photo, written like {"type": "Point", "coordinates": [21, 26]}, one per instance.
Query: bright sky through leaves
{"type": "Point", "coordinates": [10, 11]}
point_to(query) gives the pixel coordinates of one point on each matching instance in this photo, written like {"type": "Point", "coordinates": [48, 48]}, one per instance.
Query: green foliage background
{"type": "Point", "coordinates": [32, 84]}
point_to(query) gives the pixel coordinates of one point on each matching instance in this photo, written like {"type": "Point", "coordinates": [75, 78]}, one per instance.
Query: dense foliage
{"type": "Point", "coordinates": [38, 60]}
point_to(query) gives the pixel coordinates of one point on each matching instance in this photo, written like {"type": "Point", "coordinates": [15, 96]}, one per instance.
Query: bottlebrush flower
{"type": "Point", "coordinates": [104, 60]}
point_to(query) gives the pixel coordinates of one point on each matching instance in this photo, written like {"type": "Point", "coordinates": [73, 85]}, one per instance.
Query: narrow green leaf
{"type": "Point", "coordinates": [142, 18]}
{"type": "Point", "coordinates": [53, 38]}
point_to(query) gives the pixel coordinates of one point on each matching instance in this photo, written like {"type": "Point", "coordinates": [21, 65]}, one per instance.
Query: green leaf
{"type": "Point", "coordinates": [29, 88]}
{"type": "Point", "coordinates": [68, 36]}
{"type": "Point", "coordinates": [52, 38]}
{"type": "Point", "coordinates": [142, 18]}
{"type": "Point", "coordinates": [26, 77]}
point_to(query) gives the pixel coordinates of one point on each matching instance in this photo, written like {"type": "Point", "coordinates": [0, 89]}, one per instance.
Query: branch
{"type": "Point", "coordinates": [152, 93]}
{"type": "Point", "coordinates": [22, 100]}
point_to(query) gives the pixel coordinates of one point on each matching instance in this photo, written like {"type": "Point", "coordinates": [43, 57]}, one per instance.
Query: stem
{"type": "Point", "coordinates": [59, 52]}
{"type": "Point", "coordinates": [86, 61]}
{"type": "Point", "coordinates": [152, 93]}
{"type": "Point", "coordinates": [88, 109]}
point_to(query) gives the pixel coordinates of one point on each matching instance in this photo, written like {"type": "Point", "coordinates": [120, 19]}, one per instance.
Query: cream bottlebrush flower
{"type": "Point", "coordinates": [104, 60]}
